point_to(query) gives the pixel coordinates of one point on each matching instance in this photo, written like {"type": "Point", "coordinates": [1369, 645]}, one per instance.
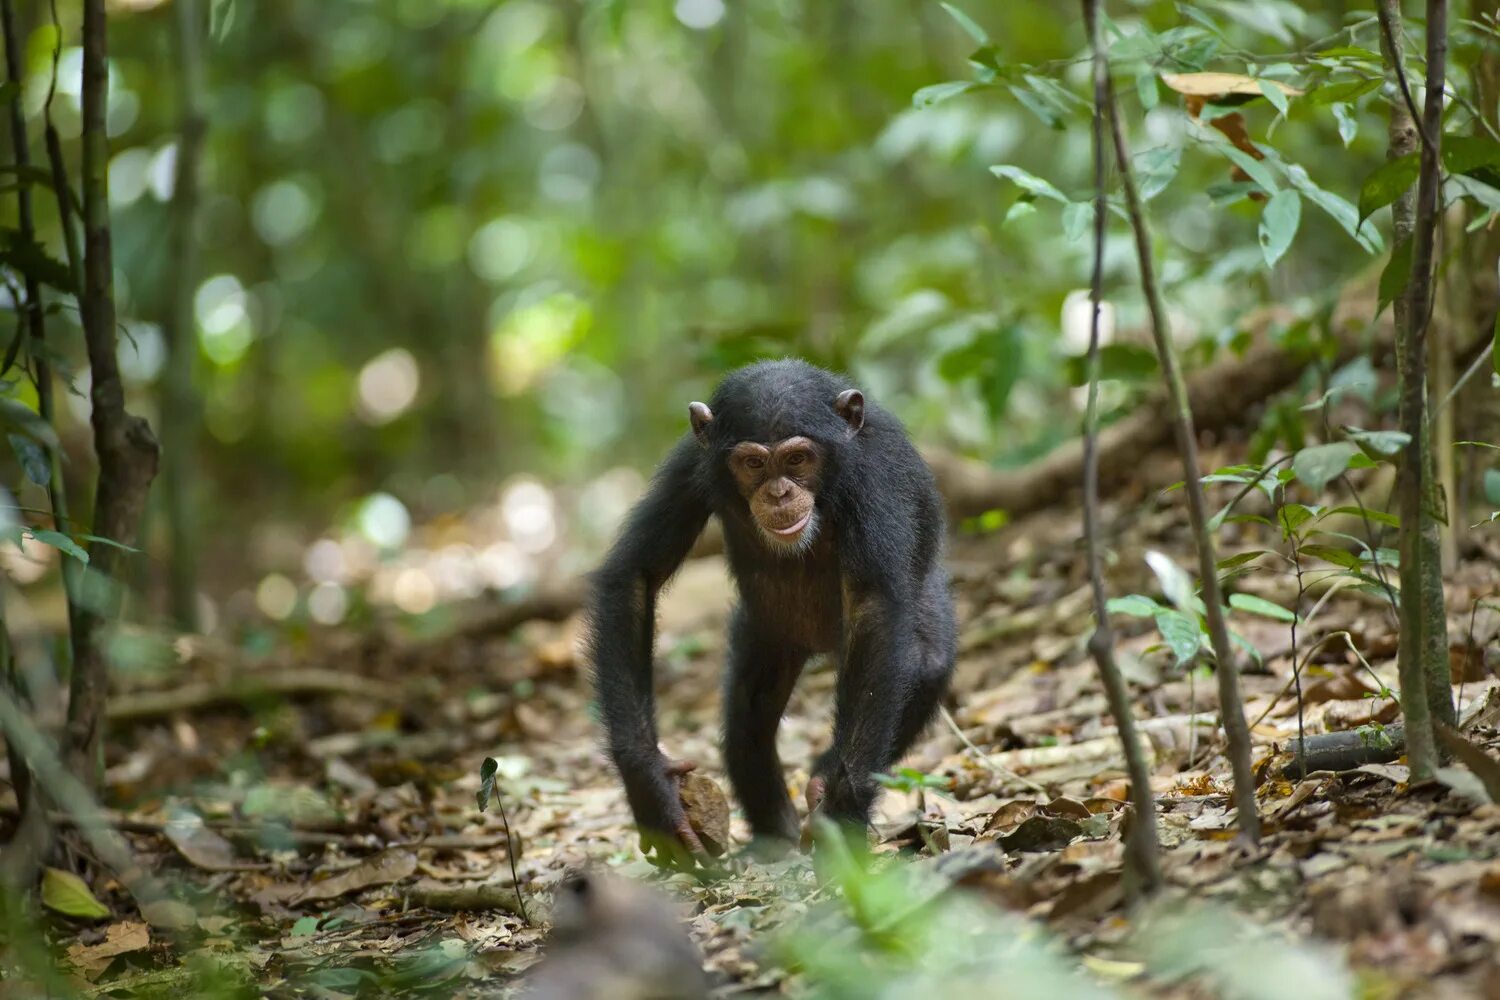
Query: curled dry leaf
{"type": "Point", "coordinates": [707, 811]}
{"type": "Point", "coordinates": [1226, 89]}
{"type": "Point", "coordinates": [1223, 88]}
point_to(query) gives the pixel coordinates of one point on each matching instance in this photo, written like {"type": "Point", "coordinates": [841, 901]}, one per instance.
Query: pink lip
{"type": "Point", "coordinates": [788, 532]}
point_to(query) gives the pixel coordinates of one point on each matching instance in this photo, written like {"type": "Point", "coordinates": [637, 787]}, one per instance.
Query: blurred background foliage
{"type": "Point", "coordinates": [444, 244]}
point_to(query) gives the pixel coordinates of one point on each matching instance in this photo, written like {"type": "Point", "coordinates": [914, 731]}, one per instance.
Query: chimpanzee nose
{"type": "Point", "coordinates": [780, 488]}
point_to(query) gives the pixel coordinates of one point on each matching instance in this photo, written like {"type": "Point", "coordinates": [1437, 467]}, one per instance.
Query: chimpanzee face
{"type": "Point", "coordinates": [780, 479]}
{"type": "Point", "coordinates": [780, 482]}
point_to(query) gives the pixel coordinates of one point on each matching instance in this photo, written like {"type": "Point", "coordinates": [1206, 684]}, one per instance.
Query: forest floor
{"type": "Point", "coordinates": [328, 844]}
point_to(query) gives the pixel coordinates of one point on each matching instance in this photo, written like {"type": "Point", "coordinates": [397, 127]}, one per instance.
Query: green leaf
{"type": "Point", "coordinates": [1257, 171]}
{"type": "Point", "coordinates": [1275, 95]}
{"type": "Point", "coordinates": [1145, 88]}
{"type": "Point", "coordinates": [1338, 208]}
{"type": "Point", "coordinates": [1492, 485]}
{"type": "Point", "coordinates": [1126, 362]}
{"type": "Point", "coordinates": [1348, 124]}
{"type": "Point", "coordinates": [1292, 516]}
{"type": "Point", "coordinates": [67, 894]}
{"type": "Point", "coordinates": [487, 770]}
{"type": "Point", "coordinates": [101, 540]}
{"type": "Point", "coordinates": [1278, 224]}
{"type": "Point", "coordinates": [1389, 182]}
{"type": "Point", "coordinates": [61, 542]}
{"type": "Point", "coordinates": [1134, 605]}
{"type": "Point", "coordinates": [1030, 183]}
{"type": "Point", "coordinates": [1475, 156]}
{"type": "Point", "coordinates": [1374, 516]}
{"type": "Point", "coordinates": [1396, 275]}
{"type": "Point", "coordinates": [1332, 554]}
{"type": "Point", "coordinates": [1321, 464]}
{"type": "Point", "coordinates": [1381, 442]}
{"type": "Point", "coordinates": [1239, 559]}
{"type": "Point", "coordinates": [33, 460]}
{"type": "Point", "coordinates": [305, 926]}
{"type": "Point", "coordinates": [1155, 168]}
{"type": "Point", "coordinates": [18, 416]}
{"type": "Point", "coordinates": [1250, 604]}
{"type": "Point", "coordinates": [1175, 583]}
{"type": "Point", "coordinates": [1076, 219]}
{"type": "Point", "coordinates": [30, 259]}
{"type": "Point", "coordinates": [1344, 92]}
{"type": "Point", "coordinates": [937, 93]}
{"type": "Point", "coordinates": [967, 23]}
{"type": "Point", "coordinates": [1034, 103]}
{"type": "Point", "coordinates": [1182, 633]}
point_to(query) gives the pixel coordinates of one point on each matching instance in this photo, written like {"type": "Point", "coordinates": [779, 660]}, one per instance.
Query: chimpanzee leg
{"type": "Point", "coordinates": [937, 641]}
{"type": "Point", "coordinates": [762, 673]}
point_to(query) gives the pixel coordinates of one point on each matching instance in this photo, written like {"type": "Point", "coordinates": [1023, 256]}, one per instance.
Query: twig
{"type": "Point", "coordinates": [1231, 706]}
{"type": "Point", "coordinates": [1143, 846]}
{"type": "Point", "coordinates": [1296, 609]}
{"type": "Point", "coordinates": [1473, 369]}
{"type": "Point", "coordinates": [984, 758]}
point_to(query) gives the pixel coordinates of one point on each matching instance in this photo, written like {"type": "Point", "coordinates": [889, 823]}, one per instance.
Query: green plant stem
{"type": "Point", "coordinates": [1231, 705]}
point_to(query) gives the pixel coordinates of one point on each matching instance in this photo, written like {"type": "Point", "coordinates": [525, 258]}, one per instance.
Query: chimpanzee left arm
{"type": "Point", "coordinates": [656, 539]}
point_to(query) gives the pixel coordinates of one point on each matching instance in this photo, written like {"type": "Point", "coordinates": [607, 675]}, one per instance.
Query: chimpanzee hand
{"type": "Point", "coordinates": [667, 837]}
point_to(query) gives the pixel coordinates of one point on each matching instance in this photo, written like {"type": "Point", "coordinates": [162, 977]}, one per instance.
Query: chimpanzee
{"type": "Point", "coordinates": [834, 530]}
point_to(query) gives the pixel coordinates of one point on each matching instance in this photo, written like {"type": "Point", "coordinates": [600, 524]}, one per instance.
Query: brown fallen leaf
{"type": "Point", "coordinates": [1009, 816]}
{"type": "Point", "coordinates": [1069, 808]}
{"type": "Point", "coordinates": [119, 939]}
{"type": "Point", "coordinates": [1042, 833]}
{"type": "Point", "coordinates": [707, 811]}
{"type": "Point", "coordinates": [392, 866]}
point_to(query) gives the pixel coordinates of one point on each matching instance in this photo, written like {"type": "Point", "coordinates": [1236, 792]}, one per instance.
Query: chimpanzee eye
{"type": "Point", "coordinates": [755, 462]}
{"type": "Point", "coordinates": [796, 458]}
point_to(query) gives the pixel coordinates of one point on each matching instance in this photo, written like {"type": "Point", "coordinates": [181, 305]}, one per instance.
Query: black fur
{"type": "Point", "coordinates": [869, 587]}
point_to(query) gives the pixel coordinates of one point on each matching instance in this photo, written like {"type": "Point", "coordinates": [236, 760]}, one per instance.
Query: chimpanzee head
{"type": "Point", "coordinates": [774, 435]}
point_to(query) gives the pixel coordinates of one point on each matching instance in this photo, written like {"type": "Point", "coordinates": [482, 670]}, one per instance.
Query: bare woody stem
{"type": "Point", "coordinates": [1422, 655]}
{"type": "Point", "coordinates": [125, 447]}
{"type": "Point", "coordinates": [1142, 848]}
{"type": "Point", "coordinates": [1231, 707]}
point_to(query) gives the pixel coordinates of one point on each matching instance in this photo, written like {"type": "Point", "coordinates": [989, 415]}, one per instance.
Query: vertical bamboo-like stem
{"type": "Point", "coordinates": [1142, 848]}
{"type": "Point", "coordinates": [123, 443]}
{"type": "Point", "coordinates": [179, 399]}
{"type": "Point", "coordinates": [1231, 706]}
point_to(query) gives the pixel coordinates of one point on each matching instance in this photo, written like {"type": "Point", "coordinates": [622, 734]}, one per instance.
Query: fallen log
{"type": "Point", "coordinates": [1219, 394]}
{"type": "Point", "coordinates": [248, 686]}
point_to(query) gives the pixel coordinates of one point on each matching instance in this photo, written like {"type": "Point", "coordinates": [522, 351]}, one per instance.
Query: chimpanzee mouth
{"type": "Point", "coordinates": [791, 530]}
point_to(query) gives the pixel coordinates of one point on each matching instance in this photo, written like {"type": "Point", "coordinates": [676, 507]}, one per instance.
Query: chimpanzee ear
{"type": "Point", "coordinates": [851, 406]}
{"type": "Point", "coordinates": [701, 416]}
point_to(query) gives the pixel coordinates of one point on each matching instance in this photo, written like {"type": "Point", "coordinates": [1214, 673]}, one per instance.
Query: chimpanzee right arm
{"type": "Point", "coordinates": [657, 536]}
